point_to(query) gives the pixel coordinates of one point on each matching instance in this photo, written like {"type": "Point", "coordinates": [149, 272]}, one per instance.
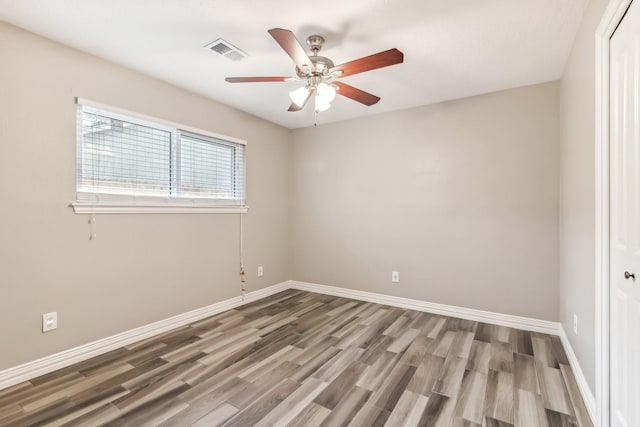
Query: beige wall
{"type": "Point", "coordinates": [141, 268]}
{"type": "Point", "coordinates": [577, 192]}
{"type": "Point", "coordinates": [461, 198]}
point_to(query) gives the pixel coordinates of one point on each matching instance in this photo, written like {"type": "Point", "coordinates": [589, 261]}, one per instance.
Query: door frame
{"type": "Point", "coordinates": [612, 16]}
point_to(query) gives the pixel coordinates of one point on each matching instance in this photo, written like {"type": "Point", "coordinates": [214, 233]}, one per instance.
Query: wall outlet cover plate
{"type": "Point", "coordinates": [49, 321]}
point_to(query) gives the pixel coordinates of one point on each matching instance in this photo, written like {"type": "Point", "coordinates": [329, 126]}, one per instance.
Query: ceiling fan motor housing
{"type": "Point", "coordinates": [321, 64]}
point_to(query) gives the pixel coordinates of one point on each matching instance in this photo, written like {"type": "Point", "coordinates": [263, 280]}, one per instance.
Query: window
{"type": "Point", "coordinates": [126, 163]}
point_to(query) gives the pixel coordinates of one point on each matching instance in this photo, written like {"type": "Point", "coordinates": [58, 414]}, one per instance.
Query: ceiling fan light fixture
{"type": "Point", "coordinates": [319, 73]}
{"type": "Point", "coordinates": [299, 96]}
{"type": "Point", "coordinates": [326, 92]}
{"type": "Point", "coordinates": [322, 104]}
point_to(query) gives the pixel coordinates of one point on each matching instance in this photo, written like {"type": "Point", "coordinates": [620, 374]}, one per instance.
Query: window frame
{"type": "Point", "coordinates": [110, 203]}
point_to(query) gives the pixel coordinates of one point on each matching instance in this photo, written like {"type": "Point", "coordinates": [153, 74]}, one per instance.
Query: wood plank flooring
{"type": "Point", "coordinates": [305, 359]}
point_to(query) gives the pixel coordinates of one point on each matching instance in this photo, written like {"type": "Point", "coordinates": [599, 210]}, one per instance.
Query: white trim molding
{"type": "Point", "coordinates": [509, 320]}
{"type": "Point", "coordinates": [33, 369]}
{"type": "Point", "coordinates": [88, 203]}
{"type": "Point", "coordinates": [587, 395]}
{"type": "Point", "coordinates": [90, 208]}
{"type": "Point", "coordinates": [608, 24]}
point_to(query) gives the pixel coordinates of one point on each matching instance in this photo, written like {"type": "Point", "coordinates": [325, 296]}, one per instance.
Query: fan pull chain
{"type": "Point", "coordinates": [243, 287]}
{"type": "Point", "coordinates": [92, 227]}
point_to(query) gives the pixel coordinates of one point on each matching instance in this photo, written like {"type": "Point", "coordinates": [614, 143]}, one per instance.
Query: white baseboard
{"type": "Point", "coordinates": [33, 369]}
{"type": "Point", "coordinates": [585, 390]}
{"type": "Point", "coordinates": [509, 320]}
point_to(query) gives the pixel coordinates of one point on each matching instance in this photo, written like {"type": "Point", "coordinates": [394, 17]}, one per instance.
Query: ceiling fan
{"type": "Point", "coordinates": [319, 73]}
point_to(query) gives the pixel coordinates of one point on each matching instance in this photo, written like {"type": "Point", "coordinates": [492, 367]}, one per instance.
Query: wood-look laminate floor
{"type": "Point", "coordinates": [304, 359]}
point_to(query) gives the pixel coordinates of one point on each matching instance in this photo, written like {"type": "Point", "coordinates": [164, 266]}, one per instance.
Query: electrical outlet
{"type": "Point", "coordinates": [260, 271]}
{"type": "Point", "coordinates": [395, 276]}
{"type": "Point", "coordinates": [49, 321]}
{"type": "Point", "coordinates": [575, 324]}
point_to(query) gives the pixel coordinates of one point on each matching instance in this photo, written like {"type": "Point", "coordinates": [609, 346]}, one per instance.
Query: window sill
{"type": "Point", "coordinates": [90, 208]}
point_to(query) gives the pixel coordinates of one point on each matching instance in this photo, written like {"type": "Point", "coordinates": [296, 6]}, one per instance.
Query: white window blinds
{"type": "Point", "coordinates": [122, 156]}
{"type": "Point", "coordinates": [209, 168]}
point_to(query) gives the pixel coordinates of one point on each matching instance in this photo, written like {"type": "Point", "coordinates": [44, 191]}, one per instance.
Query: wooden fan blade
{"type": "Point", "coordinates": [356, 94]}
{"type": "Point", "coordinates": [256, 79]}
{"type": "Point", "coordinates": [295, 107]}
{"type": "Point", "coordinates": [371, 62]}
{"type": "Point", "coordinates": [288, 42]}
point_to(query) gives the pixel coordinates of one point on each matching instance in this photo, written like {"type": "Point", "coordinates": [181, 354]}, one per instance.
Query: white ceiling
{"type": "Point", "coordinates": [452, 48]}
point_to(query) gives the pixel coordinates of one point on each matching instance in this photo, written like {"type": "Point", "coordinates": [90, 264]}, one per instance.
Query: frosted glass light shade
{"type": "Point", "coordinates": [326, 92]}
{"type": "Point", "coordinates": [299, 95]}
{"type": "Point", "coordinates": [321, 104]}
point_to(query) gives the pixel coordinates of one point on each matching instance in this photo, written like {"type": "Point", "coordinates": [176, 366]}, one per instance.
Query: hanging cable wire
{"type": "Point", "coordinates": [243, 287]}
{"type": "Point", "coordinates": [92, 226]}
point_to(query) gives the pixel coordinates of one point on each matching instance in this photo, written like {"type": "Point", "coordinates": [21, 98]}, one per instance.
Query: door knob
{"type": "Point", "coordinates": [629, 275]}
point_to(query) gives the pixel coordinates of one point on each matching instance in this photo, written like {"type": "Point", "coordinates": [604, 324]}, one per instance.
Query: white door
{"type": "Point", "coordinates": [625, 220]}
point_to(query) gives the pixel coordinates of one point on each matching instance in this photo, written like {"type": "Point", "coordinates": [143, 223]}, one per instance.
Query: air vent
{"type": "Point", "coordinates": [227, 50]}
